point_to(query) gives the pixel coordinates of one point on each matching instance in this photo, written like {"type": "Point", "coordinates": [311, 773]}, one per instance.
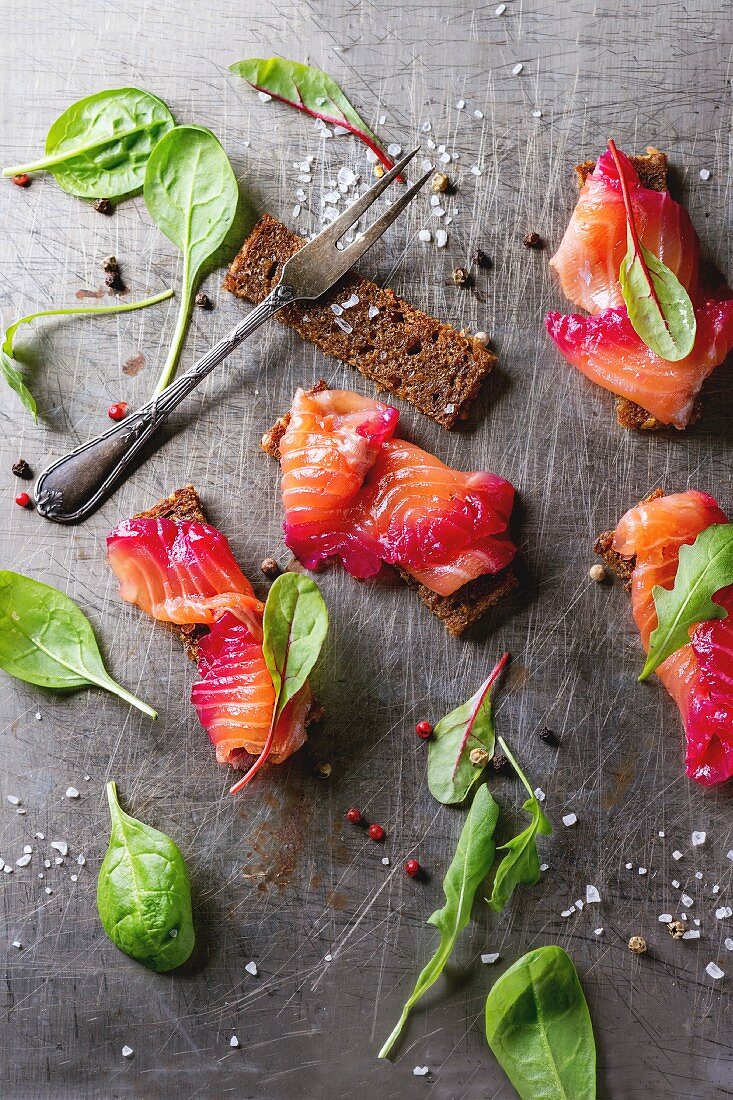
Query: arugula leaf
{"type": "Point", "coordinates": [45, 639]}
{"type": "Point", "coordinates": [704, 568]}
{"type": "Point", "coordinates": [539, 1028]}
{"type": "Point", "coordinates": [451, 772]}
{"type": "Point", "coordinates": [521, 864]}
{"type": "Point", "coordinates": [309, 90]}
{"type": "Point", "coordinates": [144, 894]}
{"type": "Point", "coordinates": [294, 624]}
{"type": "Point", "coordinates": [11, 369]}
{"type": "Point", "coordinates": [191, 194]}
{"type": "Point", "coordinates": [99, 146]}
{"type": "Point", "coordinates": [659, 307]}
{"type": "Point", "coordinates": [469, 867]}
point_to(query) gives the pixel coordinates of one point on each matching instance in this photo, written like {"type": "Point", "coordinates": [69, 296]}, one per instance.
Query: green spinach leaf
{"type": "Point", "coordinates": [99, 147]}
{"type": "Point", "coordinates": [521, 864]}
{"type": "Point", "coordinates": [539, 1028]}
{"type": "Point", "coordinates": [309, 90]}
{"type": "Point", "coordinates": [11, 368]}
{"type": "Point", "coordinates": [46, 640]}
{"type": "Point", "coordinates": [295, 624]}
{"type": "Point", "coordinates": [451, 772]}
{"type": "Point", "coordinates": [191, 193]}
{"type": "Point", "coordinates": [704, 568]}
{"type": "Point", "coordinates": [470, 866]}
{"type": "Point", "coordinates": [143, 893]}
{"type": "Point", "coordinates": [658, 305]}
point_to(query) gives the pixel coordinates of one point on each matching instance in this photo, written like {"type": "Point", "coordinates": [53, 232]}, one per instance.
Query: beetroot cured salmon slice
{"type": "Point", "coordinates": [604, 345]}
{"type": "Point", "coordinates": [699, 676]}
{"type": "Point", "coordinates": [183, 571]}
{"type": "Point", "coordinates": [352, 491]}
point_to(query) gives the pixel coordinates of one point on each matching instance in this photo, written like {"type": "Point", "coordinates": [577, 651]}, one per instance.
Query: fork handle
{"type": "Point", "coordinates": [72, 488]}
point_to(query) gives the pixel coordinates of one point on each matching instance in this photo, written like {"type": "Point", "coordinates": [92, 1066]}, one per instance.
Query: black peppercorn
{"type": "Point", "coordinates": [479, 258]}
{"type": "Point", "coordinates": [270, 568]}
{"type": "Point", "coordinates": [103, 206]}
{"type": "Point", "coordinates": [461, 276]}
{"type": "Point", "coordinates": [499, 764]}
{"type": "Point", "coordinates": [113, 280]}
{"type": "Point", "coordinates": [203, 301]}
{"type": "Point", "coordinates": [22, 469]}
{"type": "Point", "coordinates": [533, 240]}
{"type": "Point", "coordinates": [549, 736]}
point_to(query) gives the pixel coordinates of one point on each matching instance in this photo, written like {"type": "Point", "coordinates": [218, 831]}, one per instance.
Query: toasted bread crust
{"type": "Point", "coordinates": [459, 611]}
{"type": "Point", "coordinates": [399, 349]}
{"type": "Point", "coordinates": [603, 546]}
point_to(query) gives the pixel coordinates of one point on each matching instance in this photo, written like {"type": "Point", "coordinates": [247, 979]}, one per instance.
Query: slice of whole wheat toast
{"type": "Point", "coordinates": [457, 612]}
{"type": "Point", "coordinates": [397, 347]}
{"type": "Point", "coordinates": [603, 546]}
{"type": "Point", "coordinates": [652, 171]}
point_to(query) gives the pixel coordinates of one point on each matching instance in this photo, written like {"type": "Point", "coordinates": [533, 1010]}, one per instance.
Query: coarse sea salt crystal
{"type": "Point", "coordinates": [598, 932]}
{"type": "Point", "coordinates": [491, 957]}
{"type": "Point", "coordinates": [39, 836]}
{"type": "Point", "coordinates": [13, 800]}
{"type": "Point", "coordinates": [697, 922]}
{"type": "Point", "coordinates": [8, 869]}
{"type": "Point", "coordinates": [539, 794]}
{"type": "Point", "coordinates": [704, 173]}
{"type": "Point", "coordinates": [427, 164]}
{"type": "Point", "coordinates": [372, 312]}
{"type": "Point", "coordinates": [425, 235]}
{"type": "Point", "coordinates": [127, 1052]}
{"type": "Point", "coordinates": [675, 883]}
{"type": "Point", "coordinates": [371, 156]}
{"type": "Point", "coordinates": [350, 302]}
{"type": "Point", "coordinates": [346, 178]}
{"type": "Point", "coordinates": [579, 904]}
{"type": "Point", "coordinates": [234, 1042]}
{"type": "Point", "coordinates": [569, 819]}
{"type": "Point", "coordinates": [343, 325]}
{"type": "Point", "coordinates": [544, 866]}
{"type": "Point", "coordinates": [437, 211]}
{"type": "Point", "coordinates": [728, 944]}
{"type": "Point", "coordinates": [698, 875]}
{"type": "Point", "coordinates": [478, 114]}
{"type": "Point", "coordinates": [475, 170]}
{"type": "Point", "coordinates": [724, 912]}
{"type": "Point", "coordinates": [385, 861]}
{"type": "Point", "coordinates": [27, 849]}
{"type": "Point", "coordinates": [23, 861]}
{"type": "Point", "coordinates": [714, 971]}
{"type": "Point", "coordinates": [628, 866]}
{"type": "Point", "coordinates": [71, 792]}
{"type": "Point", "coordinates": [500, 9]}
{"type": "Point", "coordinates": [693, 934]}
{"type": "Point", "coordinates": [592, 897]}
{"type": "Point", "coordinates": [74, 878]}
{"type": "Point", "coordinates": [460, 104]}
{"type": "Point", "coordinates": [17, 944]}
{"type": "Point", "coordinates": [665, 918]}
{"type": "Point", "coordinates": [517, 69]}
{"type": "Point", "coordinates": [698, 838]}
{"type": "Point", "coordinates": [264, 98]}
{"type": "Point", "coordinates": [537, 114]}
{"type": "Point", "coordinates": [642, 870]}
{"type": "Point", "coordinates": [441, 238]}
{"type": "Point", "coordinates": [568, 912]}
{"type": "Point", "coordinates": [426, 127]}
{"type": "Point", "coordinates": [394, 149]}
{"type": "Point", "coordinates": [661, 834]}
{"type": "Point", "coordinates": [328, 958]}
{"type": "Point", "coordinates": [296, 211]}
{"type": "Point", "coordinates": [421, 1071]}
{"type": "Point", "coordinates": [676, 855]}
{"type": "Point", "coordinates": [382, 120]}
{"type": "Point", "coordinates": [61, 847]}
{"type": "Point", "coordinates": [687, 901]}
{"type": "Point", "coordinates": [251, 968]}
{"type": "Point", "coordinates": [445, 158]}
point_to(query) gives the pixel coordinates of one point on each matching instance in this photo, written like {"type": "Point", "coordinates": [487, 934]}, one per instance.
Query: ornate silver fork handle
{"type": "Point", "coordinates": [74, 487]}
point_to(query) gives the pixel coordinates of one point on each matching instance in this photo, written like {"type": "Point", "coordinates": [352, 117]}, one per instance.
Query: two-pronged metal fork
{"type": "Point", "coordinates": [74, 486]}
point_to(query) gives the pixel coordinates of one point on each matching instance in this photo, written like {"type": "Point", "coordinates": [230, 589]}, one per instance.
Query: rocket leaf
{"type": "Point", "coordinates": [451, 772]}
{"type": "Point", "coordinates": [703, 569]}
{"type": "Point", "coordinates": [658, 305]}
{"type": "Point", "coordinates": [521, 864]}
{"type": "Point", "coordinates": [309, 90]}
{"type": "Point", "coordinates": [470, 866]}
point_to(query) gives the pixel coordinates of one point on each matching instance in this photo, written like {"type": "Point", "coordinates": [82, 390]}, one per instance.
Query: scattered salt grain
{"type": "Point", "coordinates": [478, 114]}
{"type": "Point", "coordinates": [675, 883]}
{"type": "Point", "coordinates": [382, 120]}
{"type": "Point", "coordinates": [729, 855]}
{"type": "Point", "coordinates": [346, 178]}
{"type": "Point", "coordinates": [687, 901]}
{"type": "Point", "coordinates": [39, 836]}
{"type": "Point", "coordinates": [665, 918]}
{"type": "Point", "coordinates": [716, 888]}
{"type": "Point", "coordinates": [698, 875]}
{"type": "Point", "coordinates": [61, 847]}
{"type": "Point", "coordinates": [48, 890]}
{"type": "Point", "coordinates": [234, 1042]}
{"type": "Point", "coordinates": [350, 302]}
{"type": "Point", "coordinates": [371, 156]}
{"type": "Point", "coordinates": [661, 835]}
{"type": "Point", "coordinates": [13, 800]}
{"type": "Point", "coordinates": [536, 114]}
{"type": "Point", "coordinates": [394, 150]}
{"type": "Point", "coordinates": [426, 127]}
{"type": "Point", "coordinates": [47, 863]}
{"type": "Point", "coordinates": [74, 878]}
{"type": "Point", "coordinates": [697, 922]}
{"type": "Point", "coordinates": [500, 9]}
{"type": "Point", "coordinates": [81, 860]}
{"type": "Point", "coordinates": [426, 164]}
{"type": "Point", "coordinates": [568, 912]}
{"type": "Point", "coordinates": [296, 210]}
{"type": "Point", "coordinates": [704, 173]}
{"type": "Point", "coordinates": [642, 870]}
{"type": "Point", "coordinates": [592, 897]}
{"type": "Point", "coordinates": [677, 855]}
{"type": "Point", "coordinates": [27, 849]}
{"type": "Point", "coordinates": [569, 819]}
{"type": "Point", "coordinates": [421, 1071]}
{"type": "Point", "coordinates": [8, 869]}
{"type": "Point", "coordinates": [425, 235]}
{"type": "Point", "coordinates": [460, 104]}
{"type": "Point", "coordinates": [490, 958]}
{"type": "Point", "coordinates": [441, 238]}
{"type": "Point", "coordinates": [693, 934]}
{"type": "Point", "coordinates": [445, 158]}
{"type": "Point", "coordinates": [714, 971]}
{"type": "Point", "coordinates": [539, 794]}
{"type": "Point", "coordinates": [728, 944]}
{"type": "Point", "coordinates": [38, 716]}
{"type": "Point", "coordinates": [264, 98]}
{"type": "Point", "coordinates": [127, 1052]}
{"type": "Point", "coordinates": [598, 932]}
{"type": "Point", "coordinates": [628, 866]}
{"type": "Point", "coordinates": [23, 861]}
{"type": "Point", "coordinates": [328, 958]}
{"type": "Point", "coordinates": [475, 170]}
{"type": "Point", "coordinates": [343, 325]}
{"type": "Point", "coordinates": [544, 866]}
{"type": "Point", "coordinates": [251, 968]}
{"type": "Point", "coordinates": [17, 944]}
{"type": "Point", "coordinates": [437, 211]}
{"type": "Point", "coordinates": [698, 839]}
{"type": "Point", "coordinates": [71, 792]}
{"type": "Point", "coordinates": [517, 69]}
{"type": "Point", "coordinates": [385, 861]}
{"type": "Point", "coordinates": [59, 861]}
{"type": "Point", "coordinates": [723, 913]}
{"type": "Point", "coordinates": [20, 810]}
{"type": "Point", "coordinates": [336, 309]}
{"type": "Point", "coordinates": [304, 178]}
{"type": "Point", "coordinates": [579, 904]}
{"type": "Point", "coordinates": [372, 312]}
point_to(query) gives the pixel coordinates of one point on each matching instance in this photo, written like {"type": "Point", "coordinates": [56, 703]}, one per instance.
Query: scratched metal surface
{"type": "Point", "coordinates": [277, 876]}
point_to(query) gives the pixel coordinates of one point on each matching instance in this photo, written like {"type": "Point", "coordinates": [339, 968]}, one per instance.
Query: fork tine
{"type": "Point", "coordinates": [352, 253]}
{"type": "Point", "coordinates": [340, 225]}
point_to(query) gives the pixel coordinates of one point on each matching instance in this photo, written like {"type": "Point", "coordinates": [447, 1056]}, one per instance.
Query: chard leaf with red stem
{"type": "Point", "coordinates": [309, 90]}
{"type": "Point", "coordinates": [451, 773]}
{"type": "Point", "coordinates": [658, 305]}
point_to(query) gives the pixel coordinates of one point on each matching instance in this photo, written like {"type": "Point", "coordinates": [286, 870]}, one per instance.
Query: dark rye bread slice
{"type": "Point", "coordinates": [457, 612]}
{"type": "Point", "coordinates": [652, 171]}
{"type": "Point", "coordinates": [399, 349]}
{"type": "Point", "coordinates": [603, 546]}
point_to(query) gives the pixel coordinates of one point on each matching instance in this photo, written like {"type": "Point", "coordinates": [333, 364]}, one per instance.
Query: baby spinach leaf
{"type": "Point", "coordinates": [191, 193]}
{"type": "Point", "coordinates": [658, 305]}
{"type": "Point", "coordinates": [309, 90]}
{"type": "Point", "coordinates": [539, 1028]}
{"type": "Point", "coordinates": [46, 640]}
{"type": "Point", "coordinates": [295, 624]}
{"type": "Point", "coordinates": [470, 866]}
{"type": "Point", "coordinates": [98, 147]}
{"type": "Point", "coordinates": [451, 772]}
{"type": "Point", "coordinates": [11, 369]}
{"type": "Point", "coordinates": [521, 864]}
{"type": "Point", "coordinates": [143, 893]}
{"type": "Point", "coordinates": [704, 568]}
